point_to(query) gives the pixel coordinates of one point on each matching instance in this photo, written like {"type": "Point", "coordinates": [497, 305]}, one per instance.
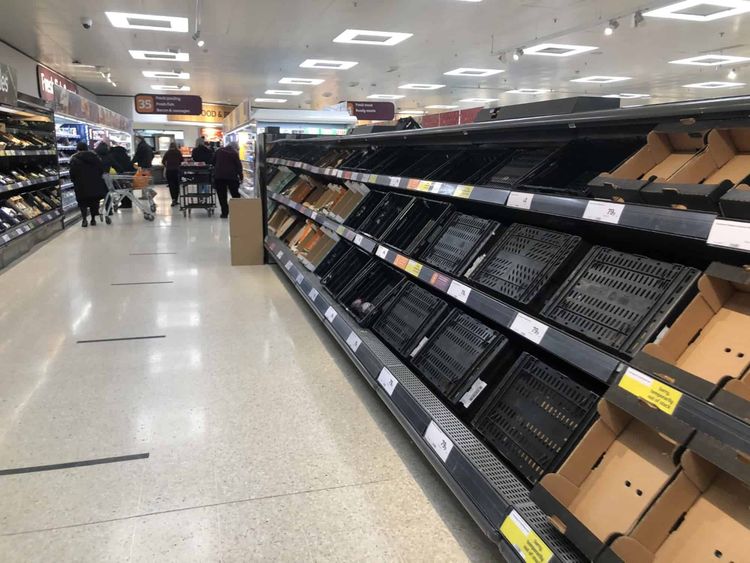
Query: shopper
{"type": "Point", "coordinates": [103, 151]}
{"type": "Point", "coordinates": [171, 161]}
{"type": "Point", "coordinates": [201, 153]}
{"type": "Point", "coordinates": [144, 154]}
{"type": "Point", "coordinates": [122, 158]}
{"type": "Point", "coordinates": [227, 175]}
{"type": "Point", "coordinates": [86, 170]}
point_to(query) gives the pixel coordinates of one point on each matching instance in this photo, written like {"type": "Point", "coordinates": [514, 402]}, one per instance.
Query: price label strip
{"type": "Point", "coordinates": [438, 441]}
{"type": "Point", "coordinates": [387, 381]}
{"type": "Point", "coordinates": [358, 240]}
{"type": "Point", "coordinates": [520, 200]}
{"type": "Point", "coordinates": [382, 252]}
{"type": "Point", "coordinates": [463, 191]}
{"type": "Point", "coordinates": [288, 265]}
{"type": "Point", "coordinates": [653, 391]}
{"type": "Point", "coordinates": [529, 328]}
{"type": "Point", "coordinates": [524, 540]}
{"type": "Point", "coordinates": [394, 181]}
{"type": "Point", "coordinates": [459, 291]}
{"type": "Point", "coordinates": [299, 279]}
{"type": "Point", "coordinates": [603, 211]}
{"type": "Point", "coordinates": [730, 234]}
{"type": "Point", "coordinates": [331, 314]}
{"type": "Point", "coordinates": [279, 254]}
{"type": "Point", "coordinates": [414, 268]}
{"type": "Point", "coordinates": [313, 294]}
{"type": "Point", "coordinates": [353, 342]}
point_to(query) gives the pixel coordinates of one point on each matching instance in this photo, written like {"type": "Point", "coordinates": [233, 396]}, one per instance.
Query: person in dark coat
{"type": "Point", "coordinates": [122, 158]}
{"type": "Point", "coordinates": [201, 153]}
{"type": "Point", "coordinates": [86, 170]}
{"type": "Point", "coordinates": [171, 161]}
{"type": "Point", "coordinates": [144, 154]}
{"type": "Point", "coordinates": [103, 151]}
{"type": "Point", "coordinates": [227, 175]}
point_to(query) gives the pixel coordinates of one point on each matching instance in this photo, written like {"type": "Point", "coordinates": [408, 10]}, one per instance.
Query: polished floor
{"type": "Point", "coordinates": [264, 442]}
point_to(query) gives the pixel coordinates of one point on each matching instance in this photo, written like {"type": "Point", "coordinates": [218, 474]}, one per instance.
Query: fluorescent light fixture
{"type": "Point", "coordinates": [302, 81]}
{"type": "Point", "coordinates": [283, 92]}
{"type": "Point", "coordinates": [700, 10]}
{"type": "Point", "coordinates": [330, 65]}
{"type": "Point", "coordinates": [416, 86]}
{"type": "Point", "coordinates": [478, 100]}
{"type": "Point", "coordinates": [171, 87]}
{"type": "Point", "coordinates": [160, 56]}
{"type": "Point", "coordinates": [269, 100]}
{"type": "Point", "coordinates": [528, 91]}
{"type": "Point", "coordinates": [710, 60]}
{"type": "Point", "coordinates": [146, 21]}
{"type": "Point", "coordinates": [166, 74]}
{"type": "Point", "coordinates": [473, 72]}
{"type": "Point", "coordinates": [715, 84]}
{"type": "Point", "coordinates": [440, 106]}
{"type": "Point", "coordinates": [367, 37]}
{"type": "Point", "coordinates": [601, 79]}
{"type": "Point", "coordinates": [385, 96]}
{"type": "Point", "coordinates": [410, 112]}
{"type": "Point", "coordinates": [557, 50]}
{"type": "Point", "coordinates": [626, 96]}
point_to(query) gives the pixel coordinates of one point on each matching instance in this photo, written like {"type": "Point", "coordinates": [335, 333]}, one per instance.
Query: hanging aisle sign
{"type": "Point", "coordinates": [210, 113]}
{"type": "Point", "coordinates": [48, 79]}
{"type": "Point", "coordinates": [377, 111]}
{"type": "Point", "coordinates": [8, 89]}
{"type": "Point", "coordinates": [168, 104]}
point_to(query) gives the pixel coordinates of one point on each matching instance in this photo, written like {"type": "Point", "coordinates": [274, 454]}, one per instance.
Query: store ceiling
{"type": "Point", "coordinates": [251, 45]}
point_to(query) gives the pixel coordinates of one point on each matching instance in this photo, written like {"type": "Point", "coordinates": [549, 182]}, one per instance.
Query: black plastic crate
{"type": "Point", "coordinates": [469, 167]}
{"type": "Point", "coordinates": [535, 416]}
{"type": "Point", "coordinates": [520, 166]}
{"type": "Point", "coordinates": [427, 163]}
{"type": "Point", "coordinates": [333, 256]}
{"type": "Point", "coordinates": [397, 161]}
{"type": "Point", "coordinates": [526, 261]}
{"type": "Point", "coordinates": [620, 300]}
{"type": "Point", "coordinates": [344, 271]}
{"type": "Point", "coordinates": [408, 231]}
{"type": "Point", "coordinates": [454, 247]}
{"type": "Point", "coordinates": [387, 211]}
{"type": "Point", "coordinates": [459, 351]}
{"type": "Point", "coordinates": [363, 210]}
{"type": "Point", "coordinates": [358, 156]}
{"type": "Point", "coordinates": [408, 317]}
{"type": "Point", "coordinates": [364, 296]}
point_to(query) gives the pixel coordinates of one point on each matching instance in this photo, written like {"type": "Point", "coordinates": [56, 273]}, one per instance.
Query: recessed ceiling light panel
{"type": "Point", "coordinates": [478, 100]}
{"type": "Point", "coordinates": [557, 50]}
{"type": "Point", "coordinates": [473, 72]}
{"type": "Point", "coordinates": [700, 10]}
{"type": "Point", "coordinates": [440, 106]}
{"type": "Point", "coordinates": [283, 92]}
{"type": "Point", "coordinates": [302, 81]}
{"type": "Point", "coordinates": [626, 96]}
{"type": "Point", "coordinates": [171, 87]}
{"type": "Point", "coordinates": [710, 60]}
{"type": "Point", "coordinates": [385, 96]}
{"type": "Point", "coordinates": [269, 100]}
{"type": "Point", "coordinates": [166, 74]}
{"type": "Point", "coordinates": [415, 86]}
{"type": "Point", "coordinates": [160, 56]}
{"type": "Point", "coordinates": [330, 65]}
{"type": "Point", "coordinates": [366, 37]}
{"type": "Point", "coordinates": [144, 21]}
{"type": "Point", "coordinates": [601, 79]}
{"type": "Point", "coordinates": [528, 91]}
{"type": "Point", "coordinates": [715, 84]}
{"type": "Point", "coordinates": [410, 112]}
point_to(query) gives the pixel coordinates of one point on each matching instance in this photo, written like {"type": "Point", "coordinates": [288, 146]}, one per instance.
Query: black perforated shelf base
{"type": "Point", "coordinates": [481, 482]}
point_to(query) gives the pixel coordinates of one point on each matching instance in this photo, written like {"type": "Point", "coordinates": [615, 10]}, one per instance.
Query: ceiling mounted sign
{"type": "Point", "coordinates": [48, 79]}
{"type": "Point", "coordinates": [167, 104]}
{"type": "Point", "coordinates": [8, 88]}
{"type": "Point", "coordinates": [372, 111]}
{"type": "Point", "coordinates": [210, 113]}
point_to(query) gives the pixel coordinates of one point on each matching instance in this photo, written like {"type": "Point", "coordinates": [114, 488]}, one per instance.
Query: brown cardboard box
{"type": "Point", "coordinates": [617, 469]}
{"type": "Point", "coordinates": [347, 204]}
{"type": "Point", "coordinates": [726, 158]}
{"type": "Point", "coordinates": [321, 248]}
{"type": "Point", "coordinates": [663, 155]}
{"type": "Point", "coordinates": [246, 232]}
{"type": "Point", "coordinates": [702, 515]}
{"type": "Point", "coordinates": [278, 218]}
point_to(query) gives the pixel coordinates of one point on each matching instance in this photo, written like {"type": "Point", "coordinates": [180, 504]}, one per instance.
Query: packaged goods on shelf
{"type": "Point", "coordinates": [620, 301]}
{"type": "Point", "coordinates": [369, 290]}
{"type": "Point", "coordinates": [348, 266]}
{"type": "Point", "coordinates": [407, 232]}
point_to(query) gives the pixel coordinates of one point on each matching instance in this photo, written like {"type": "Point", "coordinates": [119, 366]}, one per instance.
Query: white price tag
{"type": "Point", "coordinates": [394, 182]}
{"type": "Point", "coordinates": [731, 234]}
{"type": "Point", "coordinates": [382, 252]}
{"type": "Point", "coordinates": [6, 238]}
{"type": "Point", "coordinates": [299, 278]}
{"type": "Point", "coordinates": [314, 216]}
{"type": "Point", "coordinates": [288, 265]}
{"type": "Point", "coordinates": [603, 211]}
{"type": "Point", "coordinates": [438, 441]}
{"type": "Point", "coordinates": [435, 188]}
{"type": "Point", "coordinates": [279, 254]}
{"type": "Point", "coordinates": [520, 200]}
{"type": "Point", "coordinates": [19, 231]}
{"type": "Point", "coordinates": [353, 342]}
{"type": "Point", "coordinates": [358, 240]}
{"type": "Point", "coordinates": [459, 291]}
{"type": "Point", "coordinates": [472, 393]}
{"type": "Point", "coordinates": [529, 328]}
{"type": "Point", "coordinates": [313, 294]}
{"type": "Point", "coordinates": [331, 314]}
{"type": "Point", "coordinates": [387, 381]}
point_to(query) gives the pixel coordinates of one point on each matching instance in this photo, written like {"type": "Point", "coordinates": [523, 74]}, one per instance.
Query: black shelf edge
{"type": "Point", "coordinates": [703, 226]}
{"type": "Point", "coordinates": [19, 152]}
{"type": "Point", "coordinates": [28, 226]}
{"type": "Point", "coordinates": [494, 497]}
{"type": "Point", "coordinates": [27, 184]}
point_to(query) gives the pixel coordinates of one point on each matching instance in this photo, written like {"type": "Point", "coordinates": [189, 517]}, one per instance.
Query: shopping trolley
{"type": "Point", "coordinates": [196, 188]}
{"type": "Point", "coordinates": [120, 187]}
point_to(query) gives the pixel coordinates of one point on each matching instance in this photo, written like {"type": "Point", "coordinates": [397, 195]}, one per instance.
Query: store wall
{"type": "Point", "coordinates": [26, 70]}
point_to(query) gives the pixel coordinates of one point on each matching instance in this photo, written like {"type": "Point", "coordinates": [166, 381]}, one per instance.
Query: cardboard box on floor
{"type": "Point", "coordinates": [702, 515]}
{"type": "Point", "coordinates": [246, 231]}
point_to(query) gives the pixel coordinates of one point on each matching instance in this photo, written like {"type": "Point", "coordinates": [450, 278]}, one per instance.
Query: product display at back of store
{"type": "Point", "coordinates": [561, 326]}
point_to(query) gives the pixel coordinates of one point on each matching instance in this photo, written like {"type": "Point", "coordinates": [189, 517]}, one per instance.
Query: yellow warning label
{"type": "Point", "coordinates": [525, 540]}
{"type": "Point", "coordinates": [463, 191]}
{"type": "Point", "coordinates": [653, 391]}
{"type": "Point", "coordinates": [414, 268]}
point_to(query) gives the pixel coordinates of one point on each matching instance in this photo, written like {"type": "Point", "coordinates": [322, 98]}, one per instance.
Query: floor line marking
{"type": "Point", "coordinates": [142, 283]}
{"type": "Point", "coordinates": [120, 339]}
{"type": "Point", "coordinates": [71, 464]}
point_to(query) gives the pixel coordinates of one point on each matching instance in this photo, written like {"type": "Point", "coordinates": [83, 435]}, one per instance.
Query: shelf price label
{"type": "Point", "coordinates": [414, 268]}
{"type": "Point", "coordinates": [459, 291]}
{"type": "Point", "coordinates": [299, 279]}
{"type": "Point", "coordinates": [358, 240]}
{"type": "Point", "coordinates": [6, 238]}
{"type": "Point", "coordinates": [524, 540]}
{"type": "Point", "coordinates": [730, 234]}
{"type": "Point", "coordinates": [401, 262]}
{"type": "Point", "coordinates": [331, 314]}
{"type": "Point", "coordinates": [424, 186]}
{"type": "Point", "coordinates": [394, 181]}
{"type": "Point", "coordinates": [340, 230]}
{"type": "Point", "coordinates": [382, 252]}
{"type": "Point", "coordinates": [436, 187]}
{"type": "Point", "coordinates": [653, 391]}
{"type": "Point", "coordinates": [603, 211]}
{"type": "Point", "coordinates": [463, 191]}
{"type": "Point", "coordinates": [529, 328]}
{"type": "Point", "coordinates": [373, 179]}
{"type": "Point", "coordinates": [353, 342]}
{"type": "Point", "coordinates": [288, 265]}
{"type": "Point", "coordinates": [520, 200]}
{"type": "Point", "coordinates": [387, 381]}
{"type": "Point", "coordinates": [438, 441]}
{"type": "Point", "coordinates": [279, 254]}
{"type": "Point", "coordinates": [314, 216]}
{"type": "Point", "coordinates": [313, 294]}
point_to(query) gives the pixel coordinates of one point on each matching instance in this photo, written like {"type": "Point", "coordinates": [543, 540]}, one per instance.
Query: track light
{"type": "Point", "coordinates": [611, 26]}
{"type": "Point", "coordinates": [517, 54]}
{"type": "Point", "coordinates": [201, 43]}
{"type": "Point", "coordinates": [732, 74]}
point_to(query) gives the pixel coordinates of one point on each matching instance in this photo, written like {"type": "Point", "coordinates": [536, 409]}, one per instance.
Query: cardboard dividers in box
{"type": "Point", "coordinates": [607, 482]}
{"type": "Point", "coordinates": [709, 342]}
{"type": "Point", "coordinates": [348, 202]}
{"type": "Point", "coordinates": [320, 249]}
{"type": "Point", "coordinates": [279, 217]}
{"type": "Point", "coordinates": [300, 190]}
{"type": "Point", "coordinates": [663, 155]}
{"type": "Point", "coordinates": [702, 515]}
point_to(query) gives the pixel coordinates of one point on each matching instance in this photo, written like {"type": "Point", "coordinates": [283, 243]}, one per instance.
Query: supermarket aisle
{"type": "Point", "coordinates": [263, 441]}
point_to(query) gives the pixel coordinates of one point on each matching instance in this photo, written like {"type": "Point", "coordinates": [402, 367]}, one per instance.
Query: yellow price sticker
{"type": "Point", "coordinates": [424, 186]}
{"type": "Point", "coordinates": [463, 191]}
{"type": "Point", "coordinates": [653, 391]}
{"type": "Point", "coordinates": [414, 268]}
{"type": "Point", "coordinates": [373, 179]}
{"type": "Point", "coordinates": [341, 230]}
{"type": "Point", "coordinates": [524, 540]}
